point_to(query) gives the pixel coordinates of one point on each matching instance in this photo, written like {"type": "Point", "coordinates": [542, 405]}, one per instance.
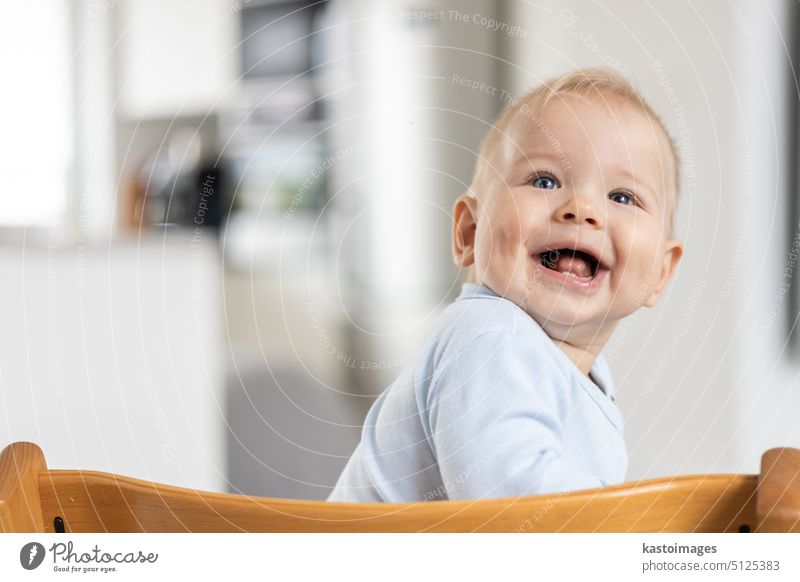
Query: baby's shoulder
{"type": "Point", "coordinates": [472, 320]}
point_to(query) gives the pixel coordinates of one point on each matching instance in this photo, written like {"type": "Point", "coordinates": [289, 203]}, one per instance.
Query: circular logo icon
{"type": "Point", "coordinates": [31, 555]}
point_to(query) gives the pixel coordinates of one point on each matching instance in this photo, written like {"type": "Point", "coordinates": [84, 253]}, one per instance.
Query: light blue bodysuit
{"type": "Point", "coordinates": [491, 407]}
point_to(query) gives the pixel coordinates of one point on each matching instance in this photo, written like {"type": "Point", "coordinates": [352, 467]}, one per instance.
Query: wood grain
{"type": "Point", "coordinates": [21, 464]}
{"type": "Point", "coordinates": [31, 497]}
{"type": "Point", "coordinates": [91, 501]}
{"type": "Point", "coordinates": [778, 506]}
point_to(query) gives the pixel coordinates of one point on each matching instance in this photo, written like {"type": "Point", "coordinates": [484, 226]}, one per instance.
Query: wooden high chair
{"type": "Point", "coordinates": [35, 499]}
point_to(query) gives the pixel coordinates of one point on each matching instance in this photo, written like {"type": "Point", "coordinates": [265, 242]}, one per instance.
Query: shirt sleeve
{"type": "Point", "coordinates": [495, 414]}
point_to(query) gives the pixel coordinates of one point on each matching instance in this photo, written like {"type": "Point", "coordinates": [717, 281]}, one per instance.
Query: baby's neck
{"type": "Point", "coordinates": [582, 346]}
{"type": "Point", "coordinates": [583, 357]}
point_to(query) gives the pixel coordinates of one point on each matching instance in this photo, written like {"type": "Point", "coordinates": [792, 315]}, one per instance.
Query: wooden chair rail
{"type": "Point", "coordinates": [778, 503]}
{"type": "Point", "coordinates": [32, 498]}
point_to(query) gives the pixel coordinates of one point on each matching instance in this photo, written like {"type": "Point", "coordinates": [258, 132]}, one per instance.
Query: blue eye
{"type": "Point", "coordinates": [544, 182]}
{"type": "Point", "coordinates": [622, 198]}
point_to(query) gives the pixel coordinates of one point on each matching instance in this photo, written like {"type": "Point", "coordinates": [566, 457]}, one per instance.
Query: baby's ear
{"type": "Point", "coordinates": [465, 216]}
{"type": "Point", "coordinates": [672, 256]}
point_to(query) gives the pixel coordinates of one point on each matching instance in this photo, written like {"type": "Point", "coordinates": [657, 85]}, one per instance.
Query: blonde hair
{"type": "Point", "coordinates": [590, 82]}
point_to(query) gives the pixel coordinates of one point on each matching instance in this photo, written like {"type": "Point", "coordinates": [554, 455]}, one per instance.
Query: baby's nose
{"type": "Point", "coordinates": [580, 210]}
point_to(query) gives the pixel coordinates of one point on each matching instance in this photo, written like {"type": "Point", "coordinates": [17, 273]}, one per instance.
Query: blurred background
{"type": "Point", "coordinates": [226, 223]}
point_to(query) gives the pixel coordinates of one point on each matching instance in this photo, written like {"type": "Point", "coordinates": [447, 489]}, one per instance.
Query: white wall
{"type": "Point", "coordinates": [766, 389]}
{"type": "Point", "coordinates": [111, 357]}
{"type": "Point", "coordinates": [35, 105]}
{"type": "Point", "coordinates": [176, 57]}
{"type": "Point", "coordinates": [697, 392]}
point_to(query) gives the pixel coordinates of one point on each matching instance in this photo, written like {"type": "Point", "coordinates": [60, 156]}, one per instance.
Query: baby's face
{"type": "Point", "coordinates": [578, 233]}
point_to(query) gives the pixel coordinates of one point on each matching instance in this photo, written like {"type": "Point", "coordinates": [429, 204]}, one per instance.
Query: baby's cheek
{"type": "Point", "coordinates": [509, 243]}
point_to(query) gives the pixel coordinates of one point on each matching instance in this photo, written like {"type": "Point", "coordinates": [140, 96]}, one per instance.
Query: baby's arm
{"type": "Point", "coordinates": [495, 421]}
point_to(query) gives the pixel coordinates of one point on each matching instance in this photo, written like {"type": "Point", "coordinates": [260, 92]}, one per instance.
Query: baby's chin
{"type": "Point", "coordinates": [563, 322]}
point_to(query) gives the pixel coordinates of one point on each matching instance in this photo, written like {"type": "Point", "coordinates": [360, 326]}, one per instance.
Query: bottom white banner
{"type": "Point", "coordinates": [401, 556]}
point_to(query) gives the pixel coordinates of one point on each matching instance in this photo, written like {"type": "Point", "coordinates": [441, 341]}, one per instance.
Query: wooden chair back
{"type": "Point", "coordinates": [35, 499]}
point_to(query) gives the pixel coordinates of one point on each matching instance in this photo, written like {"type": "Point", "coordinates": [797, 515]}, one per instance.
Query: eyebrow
{"type": "Point", "coordinates": [530, 155]}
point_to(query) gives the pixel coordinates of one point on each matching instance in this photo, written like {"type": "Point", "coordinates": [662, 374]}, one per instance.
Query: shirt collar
{"type": "Point", "coordinates": [600, 371]}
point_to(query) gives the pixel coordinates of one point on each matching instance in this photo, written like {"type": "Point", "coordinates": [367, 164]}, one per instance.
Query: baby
{"type": "Point", "coordinates": [566, 229]}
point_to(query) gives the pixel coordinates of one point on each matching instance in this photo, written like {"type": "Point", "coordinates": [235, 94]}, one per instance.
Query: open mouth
{"type": "Point", "coordinates": [579, 264]}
